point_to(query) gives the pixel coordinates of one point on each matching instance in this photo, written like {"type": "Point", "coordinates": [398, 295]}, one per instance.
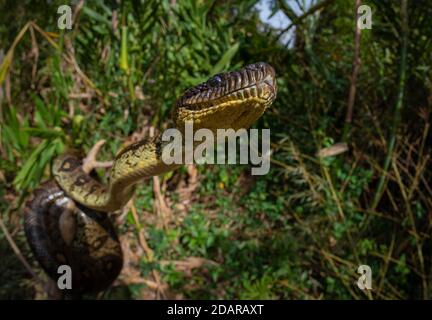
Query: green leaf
{"type": "Point", "coordinates": [33, 169]}
{"type": "Point", "coordinates": [226, 59]}
{"type": "Point", "coordinates": [45, 133]}
{"type": "Point", "coordinates": [96, 16]}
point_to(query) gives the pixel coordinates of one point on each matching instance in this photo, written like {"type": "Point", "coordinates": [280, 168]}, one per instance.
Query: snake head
{"type": "Point", "coordinates": [233, 99]}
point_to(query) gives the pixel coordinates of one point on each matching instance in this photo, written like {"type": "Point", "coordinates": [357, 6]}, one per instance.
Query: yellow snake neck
{"type": "Point", "coordinates": [136, 162]}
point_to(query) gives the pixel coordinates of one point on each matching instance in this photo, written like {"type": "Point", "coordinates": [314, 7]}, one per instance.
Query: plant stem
{"type": "Point", "coordinates": [355, 70]}
{"type": "Point", "coordinates": [399, 103]}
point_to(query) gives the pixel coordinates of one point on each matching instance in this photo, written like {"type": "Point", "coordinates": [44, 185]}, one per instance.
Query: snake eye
{"type": "Point", "coordinates": [214, 81]}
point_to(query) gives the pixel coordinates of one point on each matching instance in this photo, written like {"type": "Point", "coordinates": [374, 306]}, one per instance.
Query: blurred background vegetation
{"type": "Point", "coordinates": [299, 232]}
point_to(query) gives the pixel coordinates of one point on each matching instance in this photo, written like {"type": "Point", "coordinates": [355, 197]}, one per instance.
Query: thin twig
{"type": "Point", "coordinates": [160, 287]}
{"type": "Point", "coordinates": [399, 104]}
{"type": "Point", "coordinates": [414, 229]}
{"type": "Point", "coordinates": [355, 70]}
{"type": "Point", "coordinates": [296, 20]}
{"type": "Point", "coordinates": [18, 253]}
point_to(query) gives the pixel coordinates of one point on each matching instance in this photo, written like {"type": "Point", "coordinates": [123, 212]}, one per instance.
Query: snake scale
{"type": "Point", "coordinates": [66, 219]}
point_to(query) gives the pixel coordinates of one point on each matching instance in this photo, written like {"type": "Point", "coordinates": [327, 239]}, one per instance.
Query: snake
{"type": "Point", "coordinates": [67, 220]}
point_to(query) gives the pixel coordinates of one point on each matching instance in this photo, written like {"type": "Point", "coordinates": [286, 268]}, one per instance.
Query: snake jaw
{"type": "Point", "coordinates": [229, 100]}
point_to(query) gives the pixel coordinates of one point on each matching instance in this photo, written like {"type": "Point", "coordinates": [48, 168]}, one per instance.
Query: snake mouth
{"type": "Point", "coordinates": [256, 81]}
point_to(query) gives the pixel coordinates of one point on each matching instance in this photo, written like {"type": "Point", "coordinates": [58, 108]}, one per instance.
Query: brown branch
{"type": "Point", "coordinates": [90, 162]}
{"type": "Point", "coordinates": [296, 20]}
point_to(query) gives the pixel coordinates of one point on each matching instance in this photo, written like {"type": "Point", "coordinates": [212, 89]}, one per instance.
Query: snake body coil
{"type": "Point", "coordinates": [77, 202]}
{"type": "Point", "coordinates": [61, 232]}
